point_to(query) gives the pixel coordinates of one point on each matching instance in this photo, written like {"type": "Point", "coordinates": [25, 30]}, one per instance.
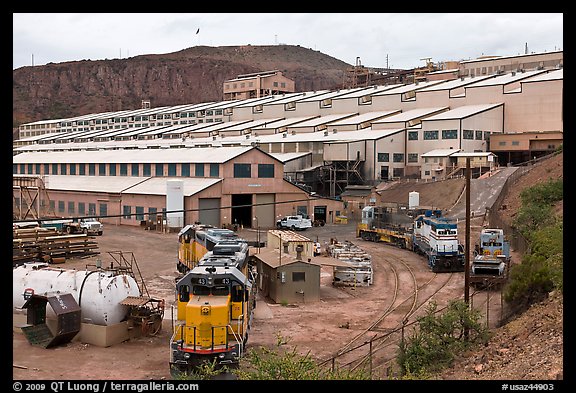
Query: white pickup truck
{"type": "Point", "coordinates": [294, 223]}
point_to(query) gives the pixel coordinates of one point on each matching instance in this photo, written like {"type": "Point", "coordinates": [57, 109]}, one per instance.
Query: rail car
{"type": "Point", "coordinates": [195, 240]}
{"type": "Point", "coordinates": [491, 260]}
{"type": "Point", "coordinates": [436, 238]}
{"type": "Point", "coordinates": [382, 224]}
{"type": "Point", "coordinates": [215, 304]}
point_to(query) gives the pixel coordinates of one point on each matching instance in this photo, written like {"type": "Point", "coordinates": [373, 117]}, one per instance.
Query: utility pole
{"type": "Point", "coordinates": [467, 244]}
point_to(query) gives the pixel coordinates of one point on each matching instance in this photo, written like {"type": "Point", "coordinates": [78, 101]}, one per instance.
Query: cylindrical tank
{"type": "Point", "coordinates": [175, 203]}
{"type": "Point", "coordinates": [413, 199]}
{"type": "Point", "coordinates": [97, 292]}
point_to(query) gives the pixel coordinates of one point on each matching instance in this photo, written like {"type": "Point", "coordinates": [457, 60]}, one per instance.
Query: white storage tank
{"type": "Point", "coordinates": [97, 292]}
{"type": "Point", "coordinates": [413, 199]}
{"type": "Point", "coordinates": [175, 201]}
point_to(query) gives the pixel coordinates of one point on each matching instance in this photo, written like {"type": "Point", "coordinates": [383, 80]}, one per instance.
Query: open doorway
{"type": "Point", "coordinates": [242, 215]}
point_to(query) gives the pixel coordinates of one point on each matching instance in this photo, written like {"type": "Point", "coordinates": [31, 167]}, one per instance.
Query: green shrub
{"type": "Point", "coordinates": [439, 338]}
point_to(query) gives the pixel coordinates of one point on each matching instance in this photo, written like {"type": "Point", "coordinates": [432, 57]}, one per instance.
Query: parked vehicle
{"type": "Point", "coordinates": [294, 222]}
{"type": "Point", "coordinates": [69, 226]}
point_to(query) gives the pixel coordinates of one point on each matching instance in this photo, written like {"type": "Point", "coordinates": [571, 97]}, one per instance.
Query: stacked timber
{"type": "Point", "coordinates": [360, 270]}
{"type": "Point", "coordinates": [48, 245]}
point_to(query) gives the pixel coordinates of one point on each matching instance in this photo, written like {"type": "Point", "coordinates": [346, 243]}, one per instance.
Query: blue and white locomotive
{"type": "Point", "coordinates": [436, 237]}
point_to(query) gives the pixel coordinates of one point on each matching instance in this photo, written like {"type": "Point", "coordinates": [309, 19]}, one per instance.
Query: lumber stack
{"type": "Point", "coordinates": [48, 245]}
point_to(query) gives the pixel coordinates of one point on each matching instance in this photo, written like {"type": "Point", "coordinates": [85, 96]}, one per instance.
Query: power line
{"type": "Point", "coordinates": [173, 211]}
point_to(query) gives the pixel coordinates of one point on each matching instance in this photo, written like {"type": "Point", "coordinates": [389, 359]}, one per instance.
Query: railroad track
{"type": "Point", "coordinates": [403, 305]}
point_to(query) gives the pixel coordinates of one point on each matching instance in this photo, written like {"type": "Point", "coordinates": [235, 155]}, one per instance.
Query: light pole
{"type": "Point", "coordinates": [257, 233]}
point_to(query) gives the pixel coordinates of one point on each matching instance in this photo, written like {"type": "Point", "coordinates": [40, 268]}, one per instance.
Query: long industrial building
{"type": "Point", "coordinates": [253, 160]}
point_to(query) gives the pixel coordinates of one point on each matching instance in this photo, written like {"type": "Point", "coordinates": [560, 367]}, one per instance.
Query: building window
{"type": "Point", "coordinates": [46, 169]}
{"type": "Point", "coordinates": [242, 170]}
{"type": "Point", "coordinates": [398, 157]}
{"type": "Point", "coordinates": [185, 170]}
{"type": "Point", "coordinates": [139, 213]}
{"type": "Point", "coordinates": [91, 209]}
{"type": "Point", "coordinates": [171, 169]}
{"type": "Point", "coordinates": [502, 143]}
{"type": "Point", "coordinates": [298, 276]}
{"type": "Point", "coordinates": [135, 170]}
{"type": "Point", "coordinates": [159, 169]}
{"type": "Point", "coordinates": [266, 170]}
{"type": "Point", "coordinates": [478, 135]}
{"type": "Point", "coordinates": [146, 170]}
{"type": "Point", "coordinates": [54, 169]}
{"type": "Point", "coordinates": [515, 143]}
{"type": "Point", "coordinates": [103, 209]}
{"type": "Point", "coordinates": [126, 212]}
{"type": "Point", "coordinates": [71, 207]}
{"type": "Point", "coordinates": [37, 169]}
{"type": "Point", "coordinates": [112, 169]}
{"type": "Point", "coordinates": [383, 157]}
{"type": "Point", "coordinates": [123, 169]}
{"type": "Point", "coordinates": [152, 213]}
{"type": "Point", "coordinates": [92, 169]}
{"type": "Point", "coordinates": [30, 169]}
{"type": "Point", "coordinates": [430, 135]}
{"type": "Point", "coordinates": [102, 169]}
{"type": "Point", "coordinates": [199, 170]}
{"type": "Point", "coordinates": [449, 134]}
{"type": "Point", "coordinates": [72, 169]}
{"type": "Point", "coordinates": [214, 170]}
{"type": "Point", "coordinates": [412, 157]}
{"type": "Point", "coordinates": [487, 135]}
{"type": "Point", "coordinates": [412, 135]}
{"type": "Point", "coordinates": [63, 169]}
{"type": "Point", "coordinates": [467, 134]}
{"type": "Point", "coordinates": [426, 173]}
{"type": "Point", "coordinates": [22, 169]}
{"type": "Point", "coordinates": [60, 206]}
{"type": "Point", "coordinates": [82, 169]}
{"type": "Point", "coordinates": [52, 205]}
{"type": "Point", "coordinates": [81, 208]}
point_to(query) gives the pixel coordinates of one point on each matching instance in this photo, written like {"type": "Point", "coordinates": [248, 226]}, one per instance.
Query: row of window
{"type": "Point", "coordinates": [111, 169]}
{"type": "Point", "coordinates": [240, 170]}
{"type": "Point", "coordinates": [72, 208]}
{"type": "Point", "coordinates": [450, 134]}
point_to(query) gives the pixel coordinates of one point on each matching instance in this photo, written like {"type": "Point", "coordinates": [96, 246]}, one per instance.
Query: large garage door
{"type": "Point", "coordinates": [265, 213]}
{"type": "Point", "coordinates": [209, 211]}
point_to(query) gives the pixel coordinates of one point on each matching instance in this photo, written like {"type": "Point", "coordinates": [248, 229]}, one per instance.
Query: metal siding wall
{"type": "Point", "coordinates": [209, 213]}
{"type": "Point", "coordinates": [265, 213]}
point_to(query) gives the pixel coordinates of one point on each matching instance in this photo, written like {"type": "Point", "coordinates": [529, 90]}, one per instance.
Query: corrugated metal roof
{"type": "Point", "coordinates": [410, 115]}
{"type": "Point", "coordinates": [462, 112]}
{"type": "Point", "coordinates": [548, 76]}
{"type": "Point", "coordinates": [407, 88]}
{"type": "Point", "coordinates": [363, 118]}
{"type": "Point", "coordinates": [158, 185]}
{"type": "Point", "coordinates": [452, 84]}
{"type": "Point", "coordinates": [186, 155]}
{"type": "Point", "coordinates": [506, 78]}
{"type": "Point", "coordinates": [323, 120]}
{"type": "Point", "coordinates": [440, 152]}
{"type": "Point", "coordinates": [126, 184]}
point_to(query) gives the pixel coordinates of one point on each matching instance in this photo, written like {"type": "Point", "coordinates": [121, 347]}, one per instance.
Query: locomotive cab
{"type": "Point", "coordinates": [214, 308]}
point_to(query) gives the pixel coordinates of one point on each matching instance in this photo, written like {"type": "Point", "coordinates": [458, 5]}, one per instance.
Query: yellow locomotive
{"type": "Point", "coordinates": [195, 240]}
{"type": "Point", "coordinates": [215, 303]}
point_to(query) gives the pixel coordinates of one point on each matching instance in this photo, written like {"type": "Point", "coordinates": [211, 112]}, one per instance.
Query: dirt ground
{"type": "Point", "coordinates": [323, 328]}
{"type": "Point", "coordinates": [528, 348]}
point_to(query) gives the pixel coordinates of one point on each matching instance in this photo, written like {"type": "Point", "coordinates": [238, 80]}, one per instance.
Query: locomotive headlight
{"type": "Point", "coordinates": [221, 355]}
{"type": "Point", "coordinates": [186, 356]}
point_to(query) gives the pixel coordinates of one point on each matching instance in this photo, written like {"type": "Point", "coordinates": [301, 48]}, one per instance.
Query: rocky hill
{"type": "Point", "coordinates": [189, 76]}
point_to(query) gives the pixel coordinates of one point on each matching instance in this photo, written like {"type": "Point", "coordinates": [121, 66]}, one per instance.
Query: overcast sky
{"type": "Point", "coordinates": [377, 39]}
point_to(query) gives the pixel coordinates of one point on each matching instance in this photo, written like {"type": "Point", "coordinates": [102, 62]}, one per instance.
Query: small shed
{"type": "Point", "coordinates": [291, 278]}
{"type": "Point", "coordinates": [289, 241]}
